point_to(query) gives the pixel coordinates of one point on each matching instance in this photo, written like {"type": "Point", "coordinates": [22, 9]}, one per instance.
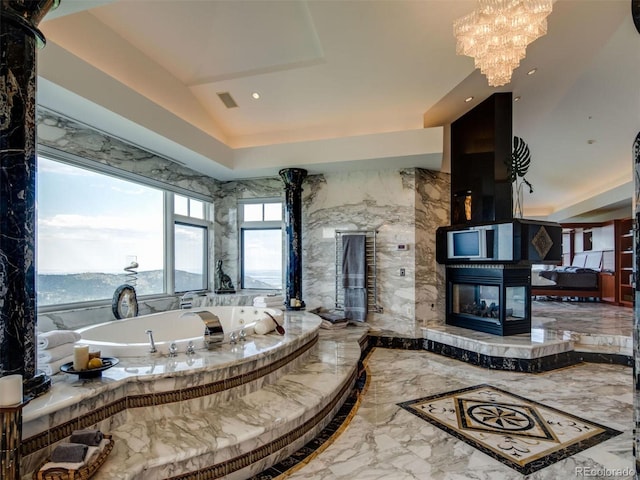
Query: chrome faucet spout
{"type": "Point", "coordinates": [186, 300]}
{"type": "Point", "coordinates": [152, 344]}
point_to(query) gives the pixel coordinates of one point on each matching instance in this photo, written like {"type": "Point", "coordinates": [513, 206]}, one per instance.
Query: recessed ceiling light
{"type": "Point", "coordinates": [468, 99]}
{"type": "Point", "coordinates": [532, 71]}
{"type": "Point", "coordinates": [517, 99]}
{"type": "Point", "coordinates": [255, 95]}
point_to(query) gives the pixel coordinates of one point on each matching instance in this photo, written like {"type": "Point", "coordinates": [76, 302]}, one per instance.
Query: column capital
{"type": "Point", "coordinates": [27, 14]}
{"type": "Point", "coordinates": [293, 177]}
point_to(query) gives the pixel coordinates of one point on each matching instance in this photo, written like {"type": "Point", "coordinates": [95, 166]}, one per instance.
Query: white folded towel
{"type": "Point", "coordinates": [279, 304]}
{"type": "Point", "coordinates": [269, 298]}
{"type": "Point", "coordinates": [55, 338]}
{"type": "Point", "coordinates": [264, 326]}
{"type": "Point", "coordinates": [88, 458]}
{"type": "Point", "coordinates": [56, 353]}
{"type": "Point", "coordinates": [54, 367]}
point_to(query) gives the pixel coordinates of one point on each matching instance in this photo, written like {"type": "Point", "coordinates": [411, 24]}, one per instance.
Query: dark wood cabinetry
{"type": "Point", "coordinates": [624, 262]}
{"type": "Point", "coordinates": [608, 287]}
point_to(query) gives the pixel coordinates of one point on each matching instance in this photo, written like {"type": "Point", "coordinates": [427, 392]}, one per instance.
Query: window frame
{"type": "Point", "coordinates": [169, 219]}
{"type": "Point", "coordinates": [193, 222]}
{"type": "Point", "coordinates": [257, 225]}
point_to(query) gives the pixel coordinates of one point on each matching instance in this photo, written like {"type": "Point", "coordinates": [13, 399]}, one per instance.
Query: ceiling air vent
{"type": "Point", "coordinates": [227, 99]}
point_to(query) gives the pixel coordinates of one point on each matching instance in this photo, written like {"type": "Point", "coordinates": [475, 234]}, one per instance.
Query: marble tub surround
{"type": "Point", "coordinates": [166, 386]}
{"type": "Point", "coordinates": [281, 416]}
{"type": "Point", "coordinates": [76, 318]}
{"type": "Point", "coordinates": [241, 435]}
{"type": "Point", "coordinates": [384, 441]}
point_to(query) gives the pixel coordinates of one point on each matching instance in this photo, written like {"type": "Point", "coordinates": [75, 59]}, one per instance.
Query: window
{"type": "Point", "coordinates": [190, 244]}
{"type": "Point", "coordinates": [91, 225]}
{"type": "Point", "coordinates": [261, 244]}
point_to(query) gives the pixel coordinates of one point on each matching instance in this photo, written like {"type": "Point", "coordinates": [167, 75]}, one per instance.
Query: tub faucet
{"type": "Point", "coordinates": [186, 301]}
{"type": "Point", "coordinates": [152, 345]}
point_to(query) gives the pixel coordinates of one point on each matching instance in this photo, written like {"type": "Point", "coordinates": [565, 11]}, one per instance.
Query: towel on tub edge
{"type": "Point", "coordinates": [56, 338]}
{"type": "Point", "coordinates": [56, 353]}
{"type": "Point", "coordinates": [54, 367]}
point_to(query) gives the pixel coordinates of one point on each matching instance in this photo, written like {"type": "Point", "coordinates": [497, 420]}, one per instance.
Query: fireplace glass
{"type": "Point", "coordinates": [493, 300]}
{"type": "Point", "coordinates": [483, 301]}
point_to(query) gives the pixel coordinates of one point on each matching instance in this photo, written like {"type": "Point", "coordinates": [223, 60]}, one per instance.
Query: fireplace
{"type": "Point", "coordinates": [488, 269]}
{"type": "Point", "coordinates": [489, 298]}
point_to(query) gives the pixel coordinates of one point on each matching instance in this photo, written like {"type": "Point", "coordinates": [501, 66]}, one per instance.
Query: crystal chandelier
{"type": "Point", "coordinates": [496, 35]}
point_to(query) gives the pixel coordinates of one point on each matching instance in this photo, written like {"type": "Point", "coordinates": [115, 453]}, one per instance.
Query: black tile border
{"type": "Point", "coordinates": [402, 343]}
{"type": "Point", "coordinates": [536, 463]}
{"type": "Point", "coordinates": [611, 358]}
{"type": "Point", "coordinates": [525, 365]}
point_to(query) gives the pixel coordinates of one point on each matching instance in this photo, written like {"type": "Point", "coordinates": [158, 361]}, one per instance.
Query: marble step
{"type": "Point", "coordinates": [239, 437]}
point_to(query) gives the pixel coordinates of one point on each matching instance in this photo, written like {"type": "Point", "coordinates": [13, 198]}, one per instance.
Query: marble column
{"type": "Point", "coordinates": [293, 178]}
{"type": "Point", "coordinates": [19, 38]}
{"type": "Point", "coordinates": [636, 321]}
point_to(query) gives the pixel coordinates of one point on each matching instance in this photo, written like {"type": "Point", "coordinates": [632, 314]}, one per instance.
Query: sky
{"type": "Point", "coordinates": [89, 222]}
{"type": "Point", "coordinates": [92, 222]}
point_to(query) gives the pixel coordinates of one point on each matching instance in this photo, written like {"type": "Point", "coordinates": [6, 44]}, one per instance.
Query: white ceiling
{"type": "Point", "coordinates": [346, 85]}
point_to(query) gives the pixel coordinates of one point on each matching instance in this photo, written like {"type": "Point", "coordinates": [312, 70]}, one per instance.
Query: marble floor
{"type": "Point", "coordinates": [585, 317]}
{"type": "Point", "coordinates": [384, 441]}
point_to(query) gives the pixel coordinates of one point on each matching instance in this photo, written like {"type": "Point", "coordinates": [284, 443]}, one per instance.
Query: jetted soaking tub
{"type": "Point", "coordinates": [128, 337]}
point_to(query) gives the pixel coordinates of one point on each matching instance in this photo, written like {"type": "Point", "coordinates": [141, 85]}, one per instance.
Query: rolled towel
{"type": "Point", "coordinates": [54, 354]}
{"type": "Point", "coordinates": [51, 368]}
{"type": "Point", "coordinates": [88, 436]}
{"type": "Point", "coordinates": [69, 453]}
{"type": "Point", "coordinates": [55, 338]}
{"type": "Point", "coordinates": [264, 326]}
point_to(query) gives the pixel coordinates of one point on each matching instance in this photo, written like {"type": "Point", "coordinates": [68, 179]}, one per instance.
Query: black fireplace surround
{"type": "Point", "coordinates": [488, 271]}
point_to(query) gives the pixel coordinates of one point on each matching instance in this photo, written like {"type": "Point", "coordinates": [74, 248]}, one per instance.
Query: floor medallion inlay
{"type": "Point", "coordinates": [521, 433]}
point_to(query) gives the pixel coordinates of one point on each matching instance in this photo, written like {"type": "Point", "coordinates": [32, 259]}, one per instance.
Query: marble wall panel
{"type": "Point", "coordinates": [405, 207]}
{"type": "Point", "coordinates": [70, 137]}
{"type": "Point", "coordinates": [432, 211]}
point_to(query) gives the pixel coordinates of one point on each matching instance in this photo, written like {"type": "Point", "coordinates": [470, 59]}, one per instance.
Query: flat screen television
{"type": "Point", "coordinates": [472, 243]}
